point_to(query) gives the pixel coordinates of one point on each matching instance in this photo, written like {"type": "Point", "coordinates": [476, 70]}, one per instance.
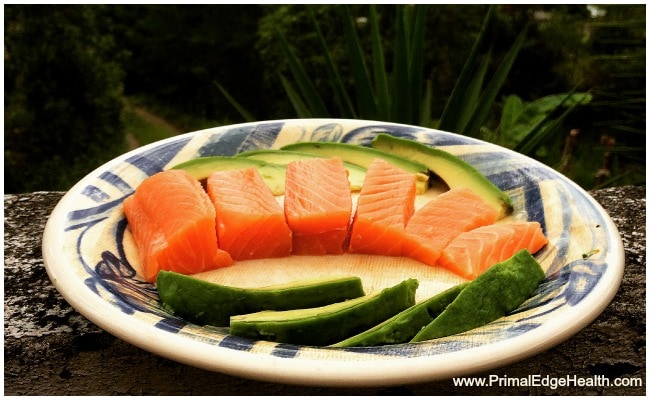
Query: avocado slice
{"type": "Point", "coordinates": [356, 174]}
{"type": "Point", "coordinates": [363, 156]}
{"type": "Point", "coordinates": [452, 170]}
{"type": "Point", "coordinates": [200, 168]}
{"type": "Point", "coordinates": [492, 295]}
{"type": "Point", "coordinates": [404, 326]}
{"type": "Point", "coordinates": [206, 303]}
{"type": "Point", "coordinates": [322, 326]}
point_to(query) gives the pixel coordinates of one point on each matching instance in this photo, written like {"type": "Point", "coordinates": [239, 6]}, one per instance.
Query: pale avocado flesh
{"type": "Point", "coordinates": [363, 157]}
{"type": "Point", "coordinates": [356, 173]}
{"type": "Point", "coordinates": [200, 168]}
{"type": "Point", "coordinates": [452, 170]}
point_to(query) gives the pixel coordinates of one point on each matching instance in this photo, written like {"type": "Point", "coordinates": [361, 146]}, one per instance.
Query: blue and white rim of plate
{"type": "Point", "coordinates": [575, 291]}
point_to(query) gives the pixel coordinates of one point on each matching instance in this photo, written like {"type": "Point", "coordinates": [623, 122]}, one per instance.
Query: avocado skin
{"type": "Point", "coordinates": [206, 303]}
{"type": "Point", "coordinates": [493, 294]}
{"type": "Point", "coordinates": [454, 171]}
{"type": "Point", "coordinates": [405, 325]}
{"type": "Point", "coordinates": [323, 326]}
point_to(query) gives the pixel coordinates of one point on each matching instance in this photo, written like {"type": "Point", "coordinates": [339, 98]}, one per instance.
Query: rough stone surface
{"type": "Point", "coordinates": [50, 349]}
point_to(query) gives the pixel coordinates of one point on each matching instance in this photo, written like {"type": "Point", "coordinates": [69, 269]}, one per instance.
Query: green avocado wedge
{"type": "Point", "coordinates": [200, 168]}
{"type": "Point", "coordinates": [322, 326]}
{"type": "Point", "coordinates": [405, 325]}
{"type": "Point", "coordinates": [206, 303]}
{"type": "Point", "coordinates": [493, 294]}
{"type": "Point", "coordinates": [356, 174]}
{"type": "Point", "coordinates": [363, 156]}
{"type": "Point", "coordinates": [452, 170]}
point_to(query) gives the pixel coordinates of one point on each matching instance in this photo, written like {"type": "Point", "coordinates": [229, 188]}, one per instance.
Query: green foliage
{"type": "Point", "coordinates": [525, 125]}
{"type": "Point", "coordinates": [63, 88]}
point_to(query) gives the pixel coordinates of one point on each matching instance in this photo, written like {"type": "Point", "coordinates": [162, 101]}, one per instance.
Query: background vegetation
{"type": "Point", "coordinates": [85, 82]}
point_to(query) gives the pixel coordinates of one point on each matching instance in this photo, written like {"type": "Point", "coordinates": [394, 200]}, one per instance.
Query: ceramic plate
{"type": "Point", "coordinates": [91, 259]}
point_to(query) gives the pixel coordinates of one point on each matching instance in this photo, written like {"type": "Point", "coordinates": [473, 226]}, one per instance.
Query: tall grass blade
{"type": "Point", "coordinates": [343, 101]}
{"type": "Point", "coordinates": [248, 117]}
{"type": "Point", "coordinates": [303, 82]}
{"type": "Point", "coordinates": [362, 82]}
{"type": "Point", "coordinates": [473, 94]}
{"type": "Point", "coordinates": [416, 62]}
{"type": "Point", "coordinates": [400, 69]}
{"type": "Point", "coordinates": [381, 77]}
{"type": "Point", "coordinates": [494, 86]}
{"type": "Point", "coordinates": [452, 110]}
{"type": "Point", "coordinates": [299, 106]}
{"type": "Point", "coordinates": [425, 110]}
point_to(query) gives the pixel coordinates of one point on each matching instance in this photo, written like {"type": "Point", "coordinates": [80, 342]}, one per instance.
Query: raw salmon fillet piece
{"type": "Point", "coordinates": [318, 205]}
{"type": "Point", "coordinates": [473, 252]}
{"type": "Point", "coordinates": [250, 221]}
{"type": "Point", "coordinates": [385, 205]}
{"type": "Point", "coordinates": [172, 221]}
{"type": "Point", "coordinates": [443, 218]}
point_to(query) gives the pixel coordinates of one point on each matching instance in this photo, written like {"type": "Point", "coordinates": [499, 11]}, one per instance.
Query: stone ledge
{"type": "Point", "coordinates": [50, 349]}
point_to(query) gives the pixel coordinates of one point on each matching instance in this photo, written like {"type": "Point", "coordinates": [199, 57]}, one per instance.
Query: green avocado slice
{"type": "Point", "coordinates": [405, 325]}
{"type": "Point", "coordinates": [322, 326]}
{"type": "Point", "coordinates": [206, 303]}
{"type": "Point", "coordinates": [452, 170]}
{"type": "Point", "coordinates": [493, 294]}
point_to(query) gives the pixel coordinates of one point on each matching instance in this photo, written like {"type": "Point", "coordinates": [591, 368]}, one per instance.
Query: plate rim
{"type": "Point", "coordinates": [301, 371]}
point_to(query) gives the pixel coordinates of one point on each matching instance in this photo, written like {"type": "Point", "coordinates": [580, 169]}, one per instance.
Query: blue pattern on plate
{"type": "Point", "coordinates": [111, 276]}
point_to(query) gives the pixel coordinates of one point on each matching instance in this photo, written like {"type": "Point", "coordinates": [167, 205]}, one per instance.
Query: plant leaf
{"type": "Point", "coordinates": [452, 110]}
{"type": "Point", "coordinates": [248, 117]}
{"type": "Point", "coordinates": [494, 86]}
{"type": "Point", "coordinates": [535, 112]}
{"type": "Point", "coordinates": [416, 63]}
{"type": "Point", "coordinates": [304, 84]}
{"type": "Point", "coordinates": [473, 94]}
{"type": "Point", "coordinates": [343, 101]}
{"type": "Point", "coordinates": [425, 110]}
{"type": "Point", "coordinates": [400, 69]}
{"type": "Point", "coordinates": [362, 82]}
{"type": "Point", "coordinates": [544, 129]}
{"type": "Point", "coordinates": [512, 108]}
{"type": "Point", "coordinates": [381, 76]}
{"type": "Point", "coordinates": [302, 110]}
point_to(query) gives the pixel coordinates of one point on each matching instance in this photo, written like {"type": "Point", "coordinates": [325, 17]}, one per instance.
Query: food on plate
{"type": "Point", "coordinates": [441, 219]}
{"type": "Point", "coordinates": [284, 157]}
{"type": "Point", "coordinates": [206, 303]}
{"type": "Point", "coordinates": [472, 252]}
{"type": "Point", "coordinates": [200, 168]}
{"type": "Point", "coordinates": [495, 293]}
{"type": "Point", "coordinates": [172, 221]}
{"type": "Point", "coordinates": [451, 169]}
{"type": "Point", "coordinates": [209, 212]}
{"type": "Point", "coordinates": [385, 204]}
{"type": "Point", "coordinates": [318, 205]}
{"type": "Point", "coordinates": [250, 222]}
{"type": "Point", "coordinates": [404, 326]}
{"type": "Point", "coordinates": [363, 156]}
{"type": "Point", "coordinates": [322, 326]}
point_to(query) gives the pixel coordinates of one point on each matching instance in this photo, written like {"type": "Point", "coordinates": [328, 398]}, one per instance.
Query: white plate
{"type": "Point", "coordinates": [90, 258]}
